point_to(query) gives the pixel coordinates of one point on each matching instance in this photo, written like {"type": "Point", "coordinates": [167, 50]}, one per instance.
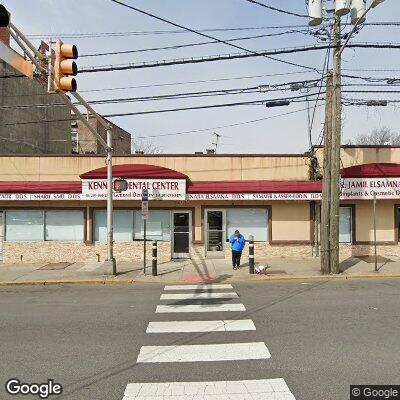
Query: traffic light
{"type": "Point", "coordinates": [120, 185]}
{"type": "Point", "coordinates": [4, 17]}
{"type": "Point", "coordinates": [65, 67]}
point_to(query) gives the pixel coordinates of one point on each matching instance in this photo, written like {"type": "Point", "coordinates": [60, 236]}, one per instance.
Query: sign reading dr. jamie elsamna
{"type": "Point", "coordinates": [158, 189]}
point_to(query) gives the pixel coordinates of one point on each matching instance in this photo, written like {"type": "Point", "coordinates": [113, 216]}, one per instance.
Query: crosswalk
{"type": "Point", "coordinates": [194, 299]}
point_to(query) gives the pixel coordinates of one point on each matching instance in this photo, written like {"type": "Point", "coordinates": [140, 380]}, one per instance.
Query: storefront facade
{"type": "Point", "coordinates": [53, 208]}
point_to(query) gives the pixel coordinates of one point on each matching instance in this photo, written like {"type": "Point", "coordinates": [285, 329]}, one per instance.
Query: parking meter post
{"type": "Point", "coordinates": [154, 259]}
{"type": "Point", "coordinates": [251, 254]}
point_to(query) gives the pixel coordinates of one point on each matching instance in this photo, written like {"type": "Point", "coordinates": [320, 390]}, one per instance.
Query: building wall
{"type": "Point", "coordinates": [197, 167]}
{"type": "Point", "coordinates": [89, 144]}
{"type": "Point", "coordinates": [385, 221]}
{"type": "Point", "coordinates": [291, 221]}
{"type": "Point", "coordinates": [27, 132]}
{"type": "Point", "coordinates": [355, 155]}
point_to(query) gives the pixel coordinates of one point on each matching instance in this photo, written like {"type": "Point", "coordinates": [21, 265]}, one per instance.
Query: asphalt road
{"type": "Point", "coordinates": [322, 336]}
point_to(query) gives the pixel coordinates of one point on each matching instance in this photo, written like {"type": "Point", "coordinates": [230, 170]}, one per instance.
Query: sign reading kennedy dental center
{"type": "Point", "coordinates": [158, 189]}
{"type": "Point", "coordinates": [364, 188]}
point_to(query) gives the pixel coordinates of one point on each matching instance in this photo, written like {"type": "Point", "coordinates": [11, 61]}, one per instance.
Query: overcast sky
{"type": "Point", "coordinates": [279, 134]}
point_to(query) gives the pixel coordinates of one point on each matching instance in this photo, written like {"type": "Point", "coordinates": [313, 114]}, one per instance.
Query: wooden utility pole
{"type": "Point", "coordinates": [336, 142]}
{"type": "Point", "coordinates": [326, 182]}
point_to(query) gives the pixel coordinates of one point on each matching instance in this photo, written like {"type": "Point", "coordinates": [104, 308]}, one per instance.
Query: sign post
{"type": "Point", "coordinates": [145, 214]}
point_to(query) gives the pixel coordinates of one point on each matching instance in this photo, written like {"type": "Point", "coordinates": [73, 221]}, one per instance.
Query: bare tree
{"type": "Point", "coordinates": [145, 146]}
{"type": "Point", "coordinates": [379, 137]}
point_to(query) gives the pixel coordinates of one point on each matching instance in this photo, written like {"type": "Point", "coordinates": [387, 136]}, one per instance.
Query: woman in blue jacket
{"type": "Point", "coordinates": [237, 242]}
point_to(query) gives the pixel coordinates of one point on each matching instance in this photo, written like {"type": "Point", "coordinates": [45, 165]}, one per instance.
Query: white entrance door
{"type": "Point", "coordinates": [215, 233]}
{"type": "Point", "coordinates": [181, 234]}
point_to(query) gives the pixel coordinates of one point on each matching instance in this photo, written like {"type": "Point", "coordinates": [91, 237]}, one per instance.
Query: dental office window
{"type": "Point", "coordinates": [158, 226]}
{"type": "Point", "coordinates": [249, 221]}
{"type": "Point", "coordinates": [40, 225]}
{"type": "Point", "coordinates": [345, 225]}
{"type": "Point", "coordinates": [122, 225]}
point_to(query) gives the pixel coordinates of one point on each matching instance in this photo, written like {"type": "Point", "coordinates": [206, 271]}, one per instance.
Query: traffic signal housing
{"type": "Point", "coordinates": [65, 67]}
{"type": "Point", "coordinates": [4, 17]}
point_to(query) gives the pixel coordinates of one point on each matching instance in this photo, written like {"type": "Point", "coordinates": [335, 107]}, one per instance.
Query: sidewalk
{"type": "Point", "coordinates": [185, 271]}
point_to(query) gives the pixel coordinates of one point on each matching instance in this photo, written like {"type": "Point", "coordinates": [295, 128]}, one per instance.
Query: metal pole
{"type": "Point", "coordinates": [144, 246]}
{"type": "Point", "coordinates": [316, 225]}
{"type": "Point", "coordinates": [49, 67]}
{"type": "Point", "coordinates": [376, 257]}
{"type": "Point", "coordinates": [251, 254]}
{"type": "Point", "coordinates": [335, 161]}
{"type": "Point", "coordinates": [110, 241]}
{"type": "Point", "coordinates": [154, 259]}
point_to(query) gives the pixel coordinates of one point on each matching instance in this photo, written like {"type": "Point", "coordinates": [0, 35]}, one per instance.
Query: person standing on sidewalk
{"type": "Point", "coordinates": [237, 242]}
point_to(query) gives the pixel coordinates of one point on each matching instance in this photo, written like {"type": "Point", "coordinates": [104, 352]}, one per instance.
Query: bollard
{"type": "Point", "coordinates": [251, 254]}
{"type": "Point", "coordinates": [154, 259]}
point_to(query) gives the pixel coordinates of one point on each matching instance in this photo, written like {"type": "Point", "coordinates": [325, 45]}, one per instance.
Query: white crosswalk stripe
{"type": "Point", "coordinates": [198, 287]}
{"type": "Point", "coordinates": [266, 389]}
{"type": "Point", "coordinates": [196, 299]}
{"type": "Point", "coordinates": [201, 326]}
{"type": "Point", "coordinates": [204, 352]}
{"type": "Point", "coordinates": [198, 296]}
{"type": "Point", "coordinates": [176, 308]}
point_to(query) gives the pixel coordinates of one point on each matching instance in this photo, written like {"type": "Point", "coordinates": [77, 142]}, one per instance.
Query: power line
{"type": "Point", "coordinates": [166, 32]}
{"type": "Point", "coordinates": [277, 9]}
{"type": "Point", "coordinates": [194, 60]}
{"type": "Point", "coordinates": [178, 83]}
{"type": "Point", "coordinates": [254, 102]}
{"type": "Point", "coordinates": [158, 32]}
{"type": "Point", "coordinates": [203, 34]}
{"type": "Point", "coordinates": [224, 126]}
{"type": "Point", "coordinates": [175, 47]}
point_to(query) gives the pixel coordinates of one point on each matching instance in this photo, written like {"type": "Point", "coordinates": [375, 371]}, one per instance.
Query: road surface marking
{"type": "Point", "coordinates": [198, 287]}
{"type": "Point", "coordinates": [200, 296]}
{"type": "Point", "coordinates": [204, 352]}
{"type": "Point", "coordinates": [266, 389]}
{"type": "Point", "coordinates": [199, 308]}
{"type": "Point", "coordinates": [201, 326]}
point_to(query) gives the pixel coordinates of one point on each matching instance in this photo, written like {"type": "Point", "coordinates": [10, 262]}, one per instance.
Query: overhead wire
{"type": "Point", "coordinates": [278, 9]}
{"type": "Point", "coordinates": [212, 58]}
{"type": "Point", "coordinates": [180, 46]}
{"type": "Point", "coordinates": [205, 35]}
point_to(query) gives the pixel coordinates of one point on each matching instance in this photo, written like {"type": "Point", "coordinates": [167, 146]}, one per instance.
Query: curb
{"type": "Point", "coordinates": [254, 278]}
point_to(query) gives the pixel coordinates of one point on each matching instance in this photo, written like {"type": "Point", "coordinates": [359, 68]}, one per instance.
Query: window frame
{"type": "Point", "coordinates": [266, 209]}
{"type": "Point", "coordinates": [352, 223]}
{"type": "Point", "coordinates": [84, 210]}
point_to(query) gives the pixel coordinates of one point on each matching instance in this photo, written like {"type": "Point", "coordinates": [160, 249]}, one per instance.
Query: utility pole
{"type": "Point", "coordinates": [326, 182]}
{"type": "Point", "coordinates": [336, 143]}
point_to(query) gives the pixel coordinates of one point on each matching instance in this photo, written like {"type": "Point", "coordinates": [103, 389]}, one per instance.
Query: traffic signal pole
{"type": "Point", "coordinates": [44, 74]}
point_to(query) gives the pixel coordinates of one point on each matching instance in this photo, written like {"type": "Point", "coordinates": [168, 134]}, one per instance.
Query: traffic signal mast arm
{"type": "Point", "coordinates": [56, 71]}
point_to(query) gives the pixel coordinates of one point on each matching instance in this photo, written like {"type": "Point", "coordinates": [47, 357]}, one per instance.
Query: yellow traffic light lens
{"type": "Point", "coordinates": [68, 67]}
{"type": "Point", "coordinates": [69, 51]}
{"type": "Point", "coordinates": [68, 84]}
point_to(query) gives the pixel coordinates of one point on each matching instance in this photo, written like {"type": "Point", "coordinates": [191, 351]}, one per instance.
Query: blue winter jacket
{"type": "Point", "coordinates": [237, 243]}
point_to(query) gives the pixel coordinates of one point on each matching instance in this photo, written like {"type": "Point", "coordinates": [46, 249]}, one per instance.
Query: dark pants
{"type": "Point", "coordinates": [236, 258]}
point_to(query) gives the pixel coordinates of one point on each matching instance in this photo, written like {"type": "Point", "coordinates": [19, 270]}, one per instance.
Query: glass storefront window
{"type": "Point", "coordinates": [345, 225]}
{"type": "Point", "coordinates": [249, 221]}
{"type": "Point", "coordinates": [24, 226]}
{"type": "Point", "coordinates": [158, 226]}
{"type": "Point", "coordinates": [122, 223]}
{"type": "Point", "coordinates": [64, 225]}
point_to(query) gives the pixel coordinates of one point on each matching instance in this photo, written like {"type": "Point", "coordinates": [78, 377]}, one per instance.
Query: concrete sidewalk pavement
{"type": "Point", "coordinates": [205, 270]}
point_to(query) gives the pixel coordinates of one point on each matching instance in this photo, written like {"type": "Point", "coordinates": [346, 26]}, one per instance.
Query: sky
{"type": "Point", "coordinates": [274, 132]}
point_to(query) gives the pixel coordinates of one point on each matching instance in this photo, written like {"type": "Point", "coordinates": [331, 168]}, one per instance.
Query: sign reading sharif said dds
{"type": "Point", "coordinates": [158, 189]}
